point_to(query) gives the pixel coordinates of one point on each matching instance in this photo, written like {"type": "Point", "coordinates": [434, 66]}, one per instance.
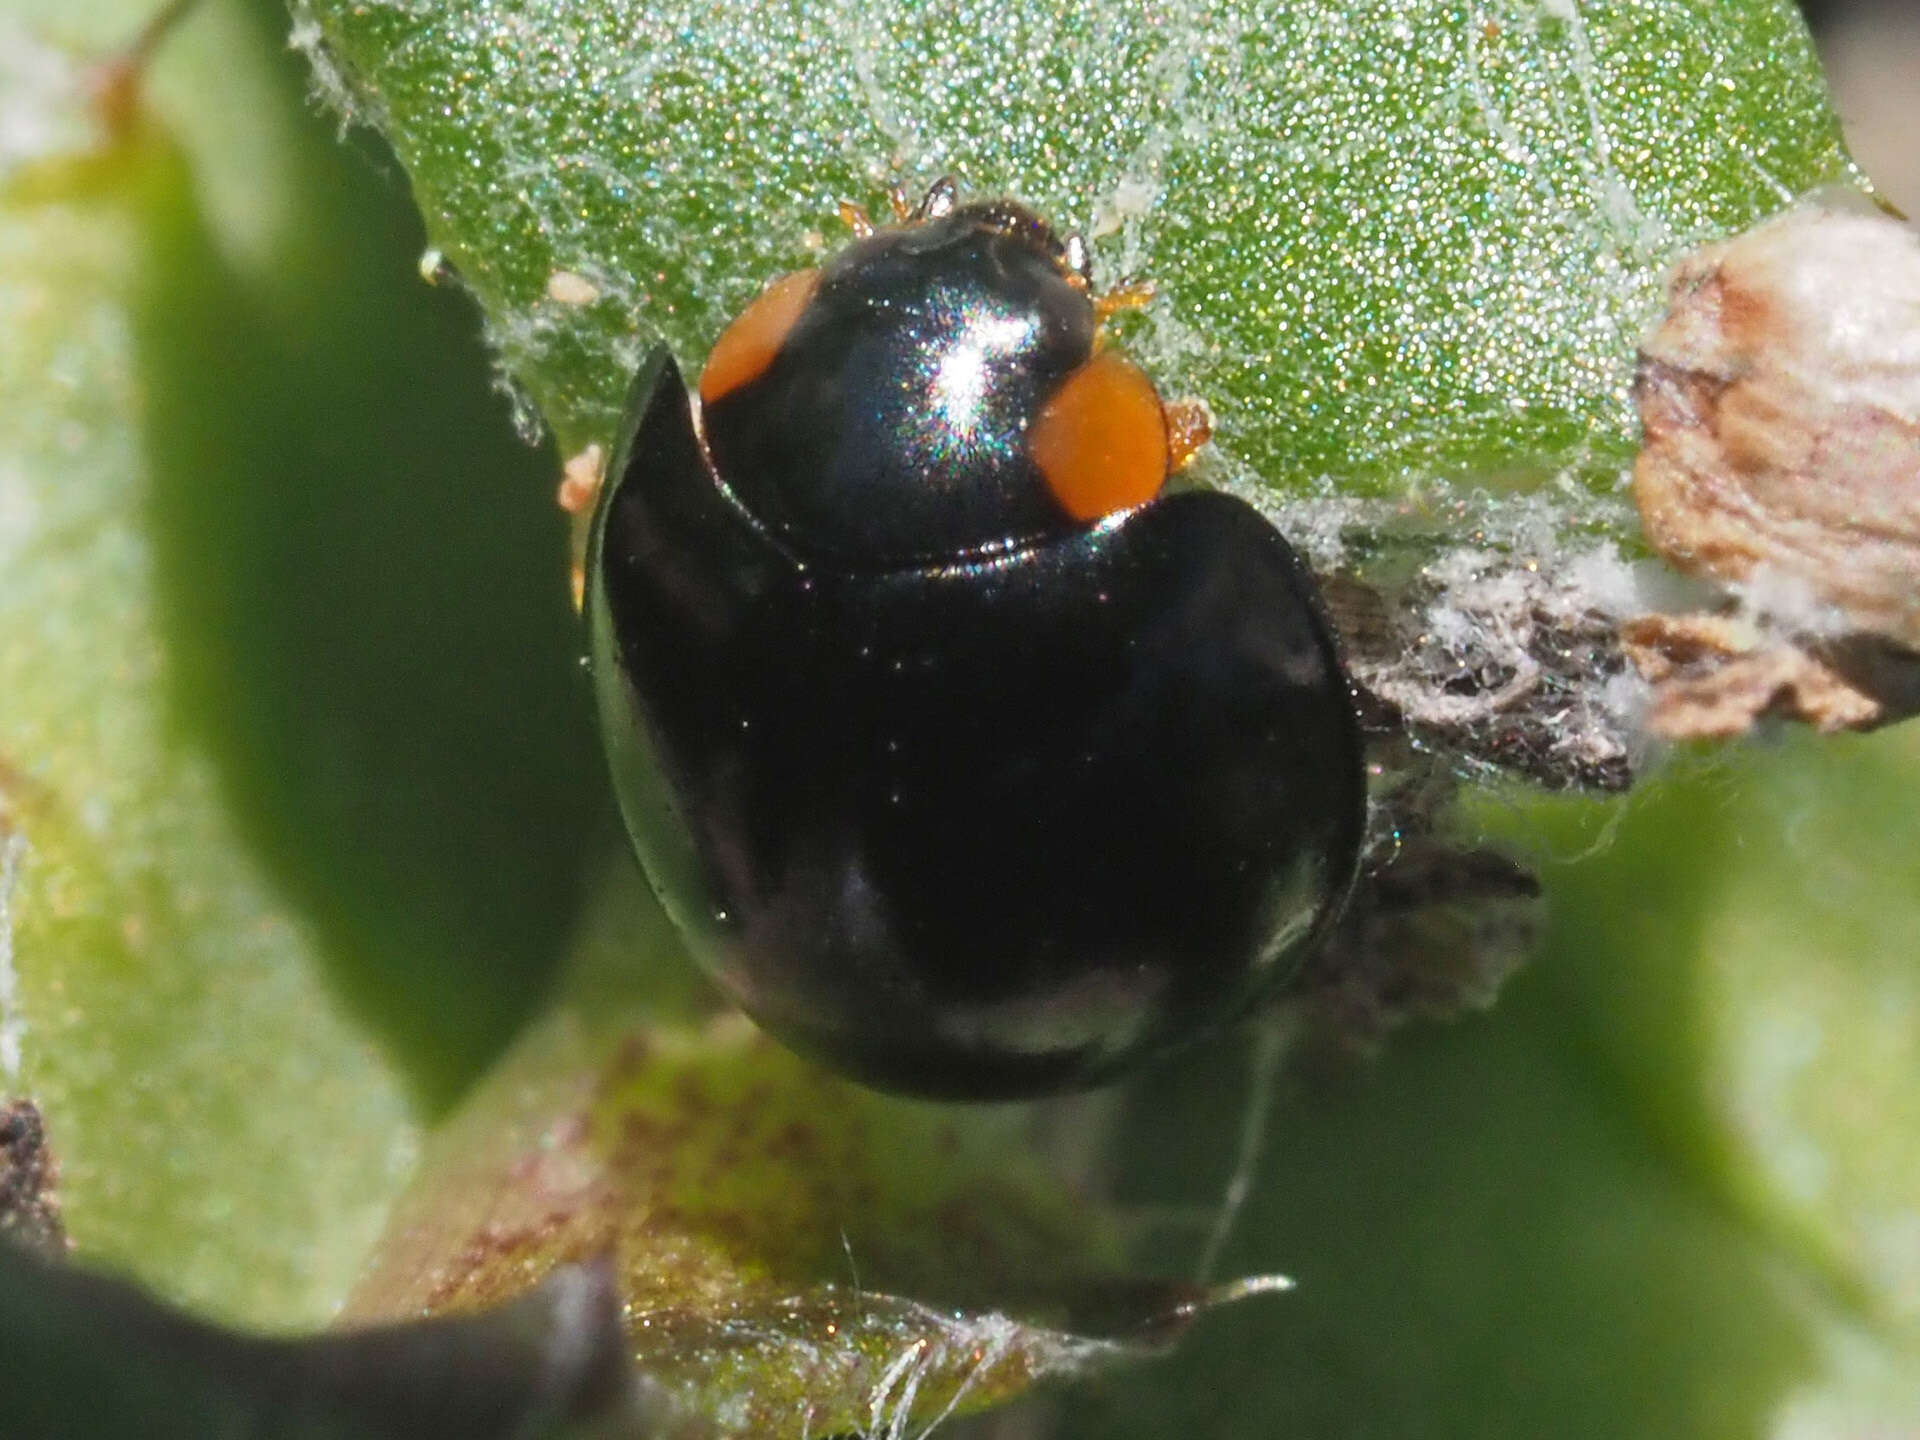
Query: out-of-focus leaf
{"type": "Point", "coordinates": [1665, 1188]}
{"type": "Point", "coordinates": [365, 579]}
{"type": "Point", "coordinates": [1484, 1248]}
{"type": "Point", "coordinates": [1810, 1007]}
{"type": "Point", "coordinates": [1411, 236]}
{"type": "Point", "coordinates": [1758, 997]}
{"type": "Point", "coordinates": [156, 999]}
{"type": "Point", "coordinates": [797, 1255]}
{"type": "Point", "coordinates": [1758, 1002]}
{"type": "Point", "coordinates": [292, 737]}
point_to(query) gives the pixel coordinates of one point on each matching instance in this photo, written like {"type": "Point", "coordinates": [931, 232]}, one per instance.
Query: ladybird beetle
{"type": "Point", "coordinates": [966, 761]}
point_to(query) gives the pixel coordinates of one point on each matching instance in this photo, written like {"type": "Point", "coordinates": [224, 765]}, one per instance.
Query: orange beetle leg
{"type": "Point", "coordinates": [856, 219]}
{"type": "Point", "coordinates": [1128, 295]}
{"type": "Point", "coordinates": [1189, 426]}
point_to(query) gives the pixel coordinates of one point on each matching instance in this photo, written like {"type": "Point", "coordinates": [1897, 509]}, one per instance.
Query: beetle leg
{"type": "Point", "coordinates": [1189, 426]}
{"type": "Point", "coordinates": [1127, 295]}
{"type": "Point", "coordinates": [856, 219]}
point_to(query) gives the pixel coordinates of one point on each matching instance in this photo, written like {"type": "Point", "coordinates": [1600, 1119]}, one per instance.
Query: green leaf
{"type": "Point", "coordinates": [1758, 1003]}
{"type": "Point", "coordinates": [796, 1255]}
{"type": "Point", "coordinates": [1483, 1249]}
{"type": "Point", "coordinates": [1419, 238]}
{"type": "Point", "coordinates": [1666, 1187]}
{"type": "Point", "coordinates": [293, 757]}
{"type": "Point", "coordinates": [159, 1003]}
{"type": "Point", "coordinates": [1810, 997]}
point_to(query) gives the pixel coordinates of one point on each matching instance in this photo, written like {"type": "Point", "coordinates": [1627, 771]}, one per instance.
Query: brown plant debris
{"type": "Point", "coordinates": [29, 1181]}
{"type": "Point", "coordinates": [1780, 399]}
{"type": "Point", "coordinates": [1432, 933]}
{"type": "Point", "coordinates": [1492, 661]}
{"type": "Point", "coordinates": [1715, 678]}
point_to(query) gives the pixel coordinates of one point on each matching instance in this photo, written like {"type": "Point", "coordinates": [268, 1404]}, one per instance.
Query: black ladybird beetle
{"type": "Point", "coordinates": [966, 761]}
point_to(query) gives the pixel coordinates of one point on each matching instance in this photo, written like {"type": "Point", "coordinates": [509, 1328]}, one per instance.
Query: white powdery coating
{"type": "Point", "coordinates": [1524, 612]}
{"type": "Point", "coordinates": [330, 87]}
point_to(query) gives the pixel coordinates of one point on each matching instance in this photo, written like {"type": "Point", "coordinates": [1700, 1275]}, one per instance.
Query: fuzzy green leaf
{"type": "Point", "coordinates": [1389, 239]}
{"type": "Point", "coordinates": [796, 1255]}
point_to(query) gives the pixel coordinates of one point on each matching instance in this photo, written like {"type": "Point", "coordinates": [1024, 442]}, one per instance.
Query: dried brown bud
{"type": "Point", "coordinates": [1781, 403]}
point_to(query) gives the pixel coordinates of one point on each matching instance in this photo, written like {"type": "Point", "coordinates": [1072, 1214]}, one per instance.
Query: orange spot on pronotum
{"type": "Point", "coordinates": [747, 346]}
{"type": "Point", "coordinates": [1101, 439]}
